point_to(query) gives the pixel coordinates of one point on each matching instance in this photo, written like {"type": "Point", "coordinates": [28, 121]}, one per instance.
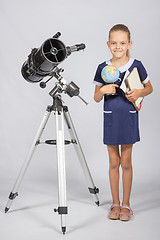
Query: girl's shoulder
{"type": "Point", "coordinates": [136, 63]}
{"type": "Point", "coordinates": [141, 70]}
{"type": "Point", "coordinates": [102, 65]}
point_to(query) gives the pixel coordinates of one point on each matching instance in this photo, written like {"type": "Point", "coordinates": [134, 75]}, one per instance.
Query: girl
{"type": "Point", "coordinates": [120, 117]}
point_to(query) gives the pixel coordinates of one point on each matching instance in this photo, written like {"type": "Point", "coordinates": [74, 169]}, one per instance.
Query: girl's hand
{"type": "Point", "coordinates": [133, 95]}
{"type": "Point", "coordinates": [109, 88]}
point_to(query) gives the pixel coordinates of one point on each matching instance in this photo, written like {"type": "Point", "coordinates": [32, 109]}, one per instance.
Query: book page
{"type": "Point", "coordinates": [134, 82]}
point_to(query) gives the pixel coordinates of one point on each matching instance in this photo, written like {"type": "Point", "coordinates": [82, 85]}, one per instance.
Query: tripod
{"type": "Point", "coordinates": [61, 113]}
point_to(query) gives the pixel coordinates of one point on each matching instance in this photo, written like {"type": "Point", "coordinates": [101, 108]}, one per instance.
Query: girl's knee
{"type": "Point", "coordinates": [114, 156]}
{"type": "Point", "coordinates": [114, 163]}
{"type": "Point", "coordinates": [126, 156]}
{"type": "Point", "coordinates": [126, 163]}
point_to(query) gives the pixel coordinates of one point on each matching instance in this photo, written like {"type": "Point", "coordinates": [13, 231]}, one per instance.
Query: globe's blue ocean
{"type": "Point", "coordinates": [110, 74]}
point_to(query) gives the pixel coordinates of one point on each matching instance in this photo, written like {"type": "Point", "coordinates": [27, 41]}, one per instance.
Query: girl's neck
{"type": "Point", "coordinates": [118, 62]}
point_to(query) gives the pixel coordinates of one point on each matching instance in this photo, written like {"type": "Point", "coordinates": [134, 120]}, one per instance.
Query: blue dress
{"type": "Point", "coordinates": [120, 117]}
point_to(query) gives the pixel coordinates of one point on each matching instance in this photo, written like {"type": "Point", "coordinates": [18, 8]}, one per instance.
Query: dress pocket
{"type": "Point", "coordinates": [108, 118]}
{"type": "Point", "coordinates": [133, 118]}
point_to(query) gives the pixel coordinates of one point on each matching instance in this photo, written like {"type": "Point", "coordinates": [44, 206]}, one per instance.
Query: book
{"type": "Point", "coordinates": [133, 81]}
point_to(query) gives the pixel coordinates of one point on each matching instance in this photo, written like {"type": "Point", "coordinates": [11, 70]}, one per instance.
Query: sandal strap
{"type": "Point", "coordinates": [115, 205]}
{"type": "Point", "coordinates": [127, 207]}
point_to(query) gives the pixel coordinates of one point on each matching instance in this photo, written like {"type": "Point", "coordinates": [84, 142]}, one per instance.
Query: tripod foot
{"type": "Point", "coordinates": [63, 230]}
{"type": "Point", "coordinates": [98, 203]}
{"type": "Point", "coordinates": [6, 210]}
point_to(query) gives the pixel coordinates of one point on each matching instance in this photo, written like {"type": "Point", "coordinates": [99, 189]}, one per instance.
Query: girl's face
{"type": "Point", "coordinates": [119, 43]}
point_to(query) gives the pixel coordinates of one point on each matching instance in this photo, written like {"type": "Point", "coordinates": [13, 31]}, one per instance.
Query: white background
{"type": "Point", "coordinates": [27, 24]}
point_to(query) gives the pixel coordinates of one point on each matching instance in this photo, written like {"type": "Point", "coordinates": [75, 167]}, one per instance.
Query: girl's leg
{"type": "Point", "coordinates": [114, 162]}
{"type": "Point", "coordinates": [126, 164]}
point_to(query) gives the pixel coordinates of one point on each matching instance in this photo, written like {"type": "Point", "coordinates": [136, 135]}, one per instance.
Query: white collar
{"type": "Point", "coordinates": [124, 67]}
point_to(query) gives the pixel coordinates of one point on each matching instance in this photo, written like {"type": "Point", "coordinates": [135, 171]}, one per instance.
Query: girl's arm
{"type": "Point", "coordinates": [100, 91]}
{"type": "Point", "coordinates": [134, 94]}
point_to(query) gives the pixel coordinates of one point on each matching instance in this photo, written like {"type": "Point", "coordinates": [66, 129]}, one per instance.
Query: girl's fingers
{"type": "Point", "coordinates": [115, 85]}
{"type": "Point", "coordinates": [130, 92]}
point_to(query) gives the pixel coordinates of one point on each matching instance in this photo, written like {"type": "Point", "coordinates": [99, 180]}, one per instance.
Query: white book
{"type": "Point", "coordinates": [133, 82]}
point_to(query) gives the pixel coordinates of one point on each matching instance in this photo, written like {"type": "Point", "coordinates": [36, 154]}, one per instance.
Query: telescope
{"type": "Point", "coordinates": [43, 61]}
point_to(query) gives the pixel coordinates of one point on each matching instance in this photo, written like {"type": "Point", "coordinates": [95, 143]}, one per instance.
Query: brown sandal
{"type": "Point", "coordinates": [114, 215]}
{"type": "Point", "coordinates": [126, 216]}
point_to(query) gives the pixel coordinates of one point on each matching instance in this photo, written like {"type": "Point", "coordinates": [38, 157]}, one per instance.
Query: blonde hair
{"type": "Point", "coordinates": [123, 28]}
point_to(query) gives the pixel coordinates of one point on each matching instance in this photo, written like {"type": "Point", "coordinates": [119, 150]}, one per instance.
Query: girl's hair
{"type": "Point", "coordinates": [121, 27]}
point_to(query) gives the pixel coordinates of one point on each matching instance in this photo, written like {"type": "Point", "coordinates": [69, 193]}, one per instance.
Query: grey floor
{"type": "Point", "coordinates": [32, 213]}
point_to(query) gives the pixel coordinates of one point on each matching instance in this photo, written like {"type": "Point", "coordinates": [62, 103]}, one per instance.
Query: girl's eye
{"type": "Point", "coordinates": [123, 43]}
{"type": "Point", "coordinates": [113, 43]}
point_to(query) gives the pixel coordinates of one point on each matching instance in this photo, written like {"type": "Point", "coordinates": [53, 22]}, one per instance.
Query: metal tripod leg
{"type": "Point", "coordinates": [92, 188]}
{"type": "Point", "coordinates": [14, 192]}
{"type": "Point", "coordinates": [62, 209]}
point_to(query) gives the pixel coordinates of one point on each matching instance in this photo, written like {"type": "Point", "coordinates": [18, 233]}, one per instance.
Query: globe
{"type": "Point", "coordinates": [110, 74]}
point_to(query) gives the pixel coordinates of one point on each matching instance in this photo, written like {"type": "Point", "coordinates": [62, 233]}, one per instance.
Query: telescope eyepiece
{"type": "Point", "coordinates": [75, 48]}
{"type": "Point", "coordinates": [80, 46]}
